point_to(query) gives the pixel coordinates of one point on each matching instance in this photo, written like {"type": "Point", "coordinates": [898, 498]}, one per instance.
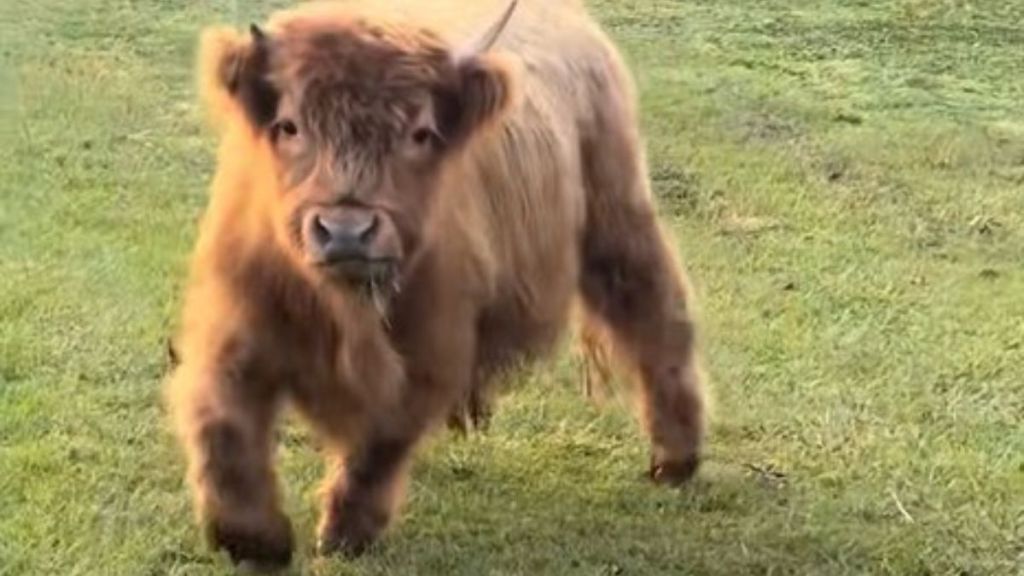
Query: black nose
{"type": "Point", "coordinates": [341, 235]}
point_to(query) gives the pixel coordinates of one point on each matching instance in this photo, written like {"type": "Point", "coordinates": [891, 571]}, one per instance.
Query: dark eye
{"type": "Point", "coordinates": [425, 137]}
{"type": "Point", "coordinates": [285, 128]}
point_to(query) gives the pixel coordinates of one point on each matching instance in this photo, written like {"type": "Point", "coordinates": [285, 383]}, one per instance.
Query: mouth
{"type": "Point", "coordinates": [361, 271]}
{"type": "Point", "coordinates": [375, 280]}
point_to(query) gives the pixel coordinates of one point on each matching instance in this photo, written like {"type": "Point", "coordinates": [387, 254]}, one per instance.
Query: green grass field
{"type": "Point", "coordinates": [846, 181]}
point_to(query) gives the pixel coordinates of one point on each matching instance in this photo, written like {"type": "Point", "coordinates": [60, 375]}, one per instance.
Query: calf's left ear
{"type": "Point", "coordinates": [485, 85]}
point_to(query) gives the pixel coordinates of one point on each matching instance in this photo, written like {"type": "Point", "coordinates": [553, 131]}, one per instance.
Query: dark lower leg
{"type": "Point", "coordinates": [672, 402]}
{"type": "Point", "coordinates": [234, 486]}
{"type": "Point", "coordinates": [635, 288]}
{"type": "Point", "coordinates": [362, 495]}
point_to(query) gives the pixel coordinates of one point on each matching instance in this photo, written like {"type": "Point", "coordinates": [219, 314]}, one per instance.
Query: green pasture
{"type": "Point", "coordinates": [845, 179]}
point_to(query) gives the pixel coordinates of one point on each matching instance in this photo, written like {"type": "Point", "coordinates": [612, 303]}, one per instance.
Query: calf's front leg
{"type": "Point", "coordinates": [365, 491]}
{"type": "Point", "coordinates": [225, 426]}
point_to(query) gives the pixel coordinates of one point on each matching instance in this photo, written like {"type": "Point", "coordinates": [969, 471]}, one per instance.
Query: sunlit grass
{"type": "Point", "coordinates": [846, 181]}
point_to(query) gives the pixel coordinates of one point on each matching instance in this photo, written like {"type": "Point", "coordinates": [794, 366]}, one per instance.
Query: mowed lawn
{"type": "Point", "coordinates": [846, 183]}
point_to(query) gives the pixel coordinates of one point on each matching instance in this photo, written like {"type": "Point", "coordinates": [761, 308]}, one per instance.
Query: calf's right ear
{"type": "Point", "coordinates": [233, 76]}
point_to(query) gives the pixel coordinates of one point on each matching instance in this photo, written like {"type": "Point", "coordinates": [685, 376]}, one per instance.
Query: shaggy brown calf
{"type": "Point", "coordinates": [397, 215]}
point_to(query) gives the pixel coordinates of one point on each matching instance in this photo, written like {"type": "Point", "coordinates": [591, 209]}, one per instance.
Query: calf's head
{"type": "Point", "coordinates": [353, 120]}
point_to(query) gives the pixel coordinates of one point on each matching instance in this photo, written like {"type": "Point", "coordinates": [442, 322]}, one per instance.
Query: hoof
{"type": "Point", "coordinates": [254, 548]}
{"type": "Point", "coordinates": [674, 473]}
{"type": "Point", "coordinates": [350, 533]}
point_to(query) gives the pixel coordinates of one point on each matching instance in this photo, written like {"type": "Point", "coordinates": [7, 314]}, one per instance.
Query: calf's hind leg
{"type": "Point", "coordinates": [632, 283]}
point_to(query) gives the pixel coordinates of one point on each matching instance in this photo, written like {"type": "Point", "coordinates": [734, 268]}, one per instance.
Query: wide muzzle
{"type": "Point", "coordinates": [357, 243]}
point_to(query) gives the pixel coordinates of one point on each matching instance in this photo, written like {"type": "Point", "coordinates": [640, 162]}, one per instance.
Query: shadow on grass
{"type": "Point", "coordinates": [514, 515]}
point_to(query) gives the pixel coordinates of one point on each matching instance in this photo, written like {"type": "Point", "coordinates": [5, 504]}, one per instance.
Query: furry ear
{"type": "Point", "coordinates": [484, 86]}
{"type": "Point", "coordinates": [233, 71]}
{"type": "Point", "coordinates": [485, 89]}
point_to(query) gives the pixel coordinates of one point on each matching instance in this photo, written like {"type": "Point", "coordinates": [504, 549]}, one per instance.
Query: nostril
{"type": "Point", "coordinates": [368, 229]}
{"type": "Point", "coordinates": [319, 232]}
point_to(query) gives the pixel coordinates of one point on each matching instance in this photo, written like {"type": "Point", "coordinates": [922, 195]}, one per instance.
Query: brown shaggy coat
{"type": "Point", "coordinates": [502, 184]}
